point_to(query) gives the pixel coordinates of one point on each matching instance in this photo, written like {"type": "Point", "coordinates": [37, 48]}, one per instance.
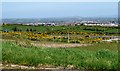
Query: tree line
{"type": "Point", "coordinates": [16, 29]}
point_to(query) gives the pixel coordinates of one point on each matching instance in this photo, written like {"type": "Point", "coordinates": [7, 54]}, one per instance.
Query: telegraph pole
{"type": "Point", "coordinates": [68, 36]}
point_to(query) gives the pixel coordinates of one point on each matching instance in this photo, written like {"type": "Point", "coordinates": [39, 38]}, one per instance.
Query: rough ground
{"type": "Point", "coordinates": [50, 44]}
{"type": "Point", "coordinates": [15, 66]}
{"type": "Point", "coordinates": [59, 45]}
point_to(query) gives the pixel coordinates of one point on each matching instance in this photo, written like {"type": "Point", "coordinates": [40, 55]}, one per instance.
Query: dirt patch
{"type": "Point", "coordinates": [59, 45]}
{"type": "Point", "coordinates": [14, 66]}
{"type": "Point", "coordinates": [49, 44]}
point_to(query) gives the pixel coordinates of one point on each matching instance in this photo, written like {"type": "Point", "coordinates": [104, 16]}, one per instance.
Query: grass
{"type": "Point", "coordinates": [0, 52]}
{"type": "Point", "coordinates": [113, 30]}
{"type": "Point", "coordinates": [99, 56]}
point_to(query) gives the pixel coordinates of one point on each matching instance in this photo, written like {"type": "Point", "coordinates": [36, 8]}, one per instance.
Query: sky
{"type": "Point", "coordinates": [59, 0]}
{"type": "Point", "coordinates": [59, 9]}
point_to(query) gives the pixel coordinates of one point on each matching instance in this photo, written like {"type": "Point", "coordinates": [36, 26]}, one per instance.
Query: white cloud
{"type": "Point", "coordinates": [60, 0]}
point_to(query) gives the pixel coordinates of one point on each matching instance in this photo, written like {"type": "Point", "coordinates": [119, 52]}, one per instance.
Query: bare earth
{"type": "Point", "coordinates": [59, 45]}
{"type": "Point", "coordinates": [52, 44]}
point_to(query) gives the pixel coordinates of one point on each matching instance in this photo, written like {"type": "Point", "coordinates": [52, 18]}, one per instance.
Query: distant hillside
{"type": "Point", "coordinates": [57, 20]}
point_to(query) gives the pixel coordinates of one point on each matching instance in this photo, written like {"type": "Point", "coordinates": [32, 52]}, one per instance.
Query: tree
{"type": "Point", "coordinates": [15, 29]}
{"type": "Point", "coordinates": [31, 30]}
{"type": "Point", "coordinates": [35, 30]}
{"type": "Point", "coordinates": [27, 30]}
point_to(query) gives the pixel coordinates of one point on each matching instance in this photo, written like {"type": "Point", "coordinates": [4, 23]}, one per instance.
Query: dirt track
{"type": "Point", "coordinates": [53, 45]}
{"type": "Point", "coordinates": [58, 45]}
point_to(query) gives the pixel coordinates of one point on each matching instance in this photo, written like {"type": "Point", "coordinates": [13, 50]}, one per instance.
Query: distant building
{"type": "Point", "coordinates": [101, 24]}
{"type": "Point", "coordinates": [49, 24]}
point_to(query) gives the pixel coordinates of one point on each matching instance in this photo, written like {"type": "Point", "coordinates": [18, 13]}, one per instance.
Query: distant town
{"type": "Point", "coordinates": [68, 21]}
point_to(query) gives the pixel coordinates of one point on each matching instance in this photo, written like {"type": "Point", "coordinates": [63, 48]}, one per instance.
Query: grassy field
{"type": "Point", "coordinates": [81, 28]}
{"type": "Point", "coordinates": [77, 34]}
{"type": "Point", "coordinates": [17, 48]}
{"type": "Point", "coordinates": [99, 56]}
